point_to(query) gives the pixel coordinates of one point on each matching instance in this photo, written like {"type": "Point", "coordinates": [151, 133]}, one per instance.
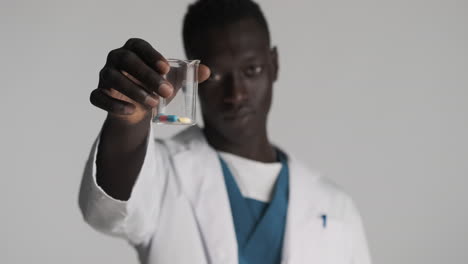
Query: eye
{"type": "Point", "coordinates": [215, 77]}
{"type": "Point", "coordinates": [253, 70]}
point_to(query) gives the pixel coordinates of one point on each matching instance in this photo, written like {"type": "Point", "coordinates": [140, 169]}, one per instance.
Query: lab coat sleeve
{"type": "Point", "coordinates": [136, 219]}
{"type": "Point", "coordinates": [357, 242]}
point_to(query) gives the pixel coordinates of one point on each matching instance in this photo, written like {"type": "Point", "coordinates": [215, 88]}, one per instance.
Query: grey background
{"type": "Point", "coordinates": [372, 93]}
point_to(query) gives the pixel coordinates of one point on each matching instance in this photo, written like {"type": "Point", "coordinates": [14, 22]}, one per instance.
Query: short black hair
{"type": "Point", "coordinates": [203, 14]}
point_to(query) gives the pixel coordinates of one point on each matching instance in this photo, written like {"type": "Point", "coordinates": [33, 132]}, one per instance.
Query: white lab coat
{"type": "Point", "coordinates": [179, 210]}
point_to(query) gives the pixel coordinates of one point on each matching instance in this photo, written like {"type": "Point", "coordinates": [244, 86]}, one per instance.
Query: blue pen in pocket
{"type": "Point", "coordinates": [324, 220]}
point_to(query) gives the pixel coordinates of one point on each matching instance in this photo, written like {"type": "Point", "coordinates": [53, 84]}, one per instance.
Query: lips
{"type": "Point", "coordinates": [236, 114]}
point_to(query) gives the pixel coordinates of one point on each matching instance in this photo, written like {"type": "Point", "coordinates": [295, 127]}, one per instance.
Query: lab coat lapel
{"type": "Point", "coordinates": [202, 181]}
{"type": "Point", "coordinates": [304, 227]}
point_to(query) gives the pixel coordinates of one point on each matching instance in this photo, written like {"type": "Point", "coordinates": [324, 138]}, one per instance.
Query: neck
{"type": "Point", "coordinates": [255, 147]}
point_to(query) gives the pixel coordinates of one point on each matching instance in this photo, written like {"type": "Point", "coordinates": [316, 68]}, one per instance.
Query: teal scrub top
{"type": "Point", "coordinates": [259, 226]}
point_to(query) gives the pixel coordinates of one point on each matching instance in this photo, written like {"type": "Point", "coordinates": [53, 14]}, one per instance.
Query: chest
{"type": "Point", "coordinates": [202, 230]}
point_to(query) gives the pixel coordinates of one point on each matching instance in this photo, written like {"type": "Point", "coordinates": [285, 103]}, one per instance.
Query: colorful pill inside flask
{"type": "Point", "coordinates": [172, 118]}
{"type": "Point", "coordinates": [162, 118]}
{"type": "Point", "coordinates": [185, 120]}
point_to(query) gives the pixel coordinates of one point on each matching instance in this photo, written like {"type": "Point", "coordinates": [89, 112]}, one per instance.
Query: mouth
{"type": "Point", "coordinates": [237, 114]}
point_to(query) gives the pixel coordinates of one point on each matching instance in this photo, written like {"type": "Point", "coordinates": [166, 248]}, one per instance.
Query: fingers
{"type": "Point", "coordinates": [100, 99]}
{"type": "Point", "coordinates": [128, 61]}
{"type": "Point", "coordinates": [144, 50]}
{"type": "Point", "coordinates": [111, 78]}
{"type": "Point", "coordinates": [203, 73]}
{"type": "Point", "coordinates": [133, 79]}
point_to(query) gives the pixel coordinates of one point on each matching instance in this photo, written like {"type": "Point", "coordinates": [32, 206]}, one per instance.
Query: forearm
{"type": "Point", "coordinates": [121, 152]}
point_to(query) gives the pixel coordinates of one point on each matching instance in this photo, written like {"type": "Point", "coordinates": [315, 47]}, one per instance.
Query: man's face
{"type": "Point", "coordinates": [236, 99]}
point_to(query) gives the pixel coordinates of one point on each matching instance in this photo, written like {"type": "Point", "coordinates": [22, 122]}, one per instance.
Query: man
{"type": "Point", "coordinates": [221, 194]}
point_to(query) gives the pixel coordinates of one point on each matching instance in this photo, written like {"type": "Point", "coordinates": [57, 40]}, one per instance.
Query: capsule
{"type": "Point", "coordinates": [185, 120]}
{"type": "Point", "coordinates": [172, 118]}
{"type": "Point", "coordinates": [162, 118]}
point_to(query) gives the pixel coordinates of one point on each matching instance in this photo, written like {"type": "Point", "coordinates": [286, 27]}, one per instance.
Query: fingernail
{"type": "Point", "coordinates": [151, 101]}
{"type": "Point", "coordinates": [165, 90]}
{"type": "Point", "coordinates": [163, 66]}
{"type": "Point", "coordinates": [128, 110]}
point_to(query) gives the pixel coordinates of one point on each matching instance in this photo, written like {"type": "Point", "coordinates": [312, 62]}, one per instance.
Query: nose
{"type": "Point", "coordinates": [235, 91]}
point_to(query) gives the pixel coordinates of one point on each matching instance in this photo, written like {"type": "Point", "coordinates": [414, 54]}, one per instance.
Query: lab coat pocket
{"type": "Point", "coordinates": [320, 240]}
{"type": "Point", "coordinates": [333, 240]}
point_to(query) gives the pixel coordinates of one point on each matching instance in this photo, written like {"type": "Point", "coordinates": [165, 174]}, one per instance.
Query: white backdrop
{"type": "Point", "coordinates": [379, 104]}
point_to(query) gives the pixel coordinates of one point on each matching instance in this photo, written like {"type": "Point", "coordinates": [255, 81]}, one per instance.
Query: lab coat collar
{"type": "Point", "coordinates": [202, 181]}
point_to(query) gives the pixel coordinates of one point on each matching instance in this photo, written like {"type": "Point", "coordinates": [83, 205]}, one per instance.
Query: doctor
{"type": "Point", "coordinates": [219, 194]}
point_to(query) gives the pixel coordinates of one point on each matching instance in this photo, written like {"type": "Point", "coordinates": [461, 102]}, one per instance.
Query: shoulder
{"type": "Point", "coordinates": [314, 177]}
{"type": "Point", "coordinates": [319, 190]}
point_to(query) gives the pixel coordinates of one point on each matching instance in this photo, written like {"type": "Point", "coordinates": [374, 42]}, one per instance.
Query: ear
{"type": "Point", "coordinates": [274, 62]}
